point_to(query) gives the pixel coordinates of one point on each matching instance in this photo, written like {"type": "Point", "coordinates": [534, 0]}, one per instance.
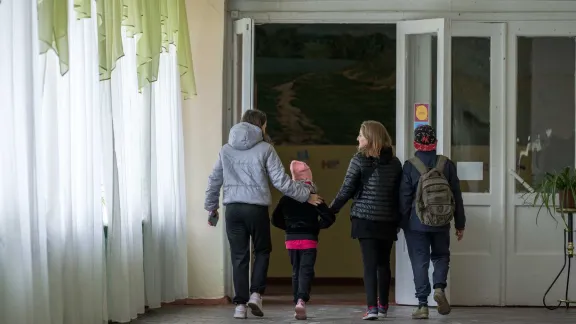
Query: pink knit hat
{"type": "Point", "coordinates": [300, 170]}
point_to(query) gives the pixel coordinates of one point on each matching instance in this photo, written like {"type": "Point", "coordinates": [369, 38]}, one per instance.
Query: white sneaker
{"type": "Point", "coordinates": [300, 310]}
{"type": "Point", "coordinates": [240, 312]}
{"type": "Point", "coordinates": [255, 304]}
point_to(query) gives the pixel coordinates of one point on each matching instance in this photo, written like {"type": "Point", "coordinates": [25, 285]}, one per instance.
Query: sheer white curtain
{"type": "Point", "coordinates": [51, 254]}
{"type": "Point", "coordinates": [63, 138]}
{"type": "Point", "coordinates": [70, 172]}
{"type": "Point", "coordinates": [165, 253]}
{"type": "Point", "coordinates": [146, 246]}
{"type": "Point", "coordinates": [126, 209]}
{"type": "Point", "coordinates": [23, 250]}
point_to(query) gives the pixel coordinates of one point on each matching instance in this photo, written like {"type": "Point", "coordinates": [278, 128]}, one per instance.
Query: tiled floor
{"type": "Point", "coordinates": [321, 295]}
{"type": "Point", "coordinates": [352, 314]}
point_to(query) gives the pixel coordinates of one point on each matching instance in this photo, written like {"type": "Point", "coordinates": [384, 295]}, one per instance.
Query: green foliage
{"type": "Point", "coordinates": [553, 184]}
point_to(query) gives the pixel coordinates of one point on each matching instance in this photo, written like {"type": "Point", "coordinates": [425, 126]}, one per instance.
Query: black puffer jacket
{"type": "Point", "coordinates": [377, 199]}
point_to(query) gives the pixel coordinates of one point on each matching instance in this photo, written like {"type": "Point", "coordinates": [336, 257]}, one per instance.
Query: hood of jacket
{"type": "Point", "coordinates": [244, 136]}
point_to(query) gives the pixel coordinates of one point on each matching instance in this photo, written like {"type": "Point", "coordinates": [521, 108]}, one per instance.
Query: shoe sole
{"type": "Point", "coordinates": [420, 316]}
{"type": "Point", "coordinates": [240, 317]}
{"type": "Point", "coordinates": [443, 305]}
{"type": "Point", "coordinates": [382, 315]}
{"type": "Point", "coordinates": [370, 317]}
{"type": "Point", "coordinates": [300, 313]}
{"type": "Point", "coordinates": [256, 310]}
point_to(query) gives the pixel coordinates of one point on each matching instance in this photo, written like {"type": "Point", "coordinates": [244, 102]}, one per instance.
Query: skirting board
{"type": "Point", "coordinates": [205, 302]}
{"type": "Point", "coordinates": [322, 281]}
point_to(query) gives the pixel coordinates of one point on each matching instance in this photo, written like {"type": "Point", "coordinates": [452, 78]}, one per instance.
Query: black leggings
{"type": "Point", "coordinates": [377, 275]}
{"type": "Point", "coordinates": [302, 272]}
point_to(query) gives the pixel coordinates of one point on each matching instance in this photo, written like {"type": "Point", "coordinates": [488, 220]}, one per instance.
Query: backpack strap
{"type": "Point", "coordinates": [441, 163]}
{"type": "Point", "coordinates": [419, 165]}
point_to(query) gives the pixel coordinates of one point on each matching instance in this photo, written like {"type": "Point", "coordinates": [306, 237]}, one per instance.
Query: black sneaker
{"type": "Point", "coordinates": [371, 314]}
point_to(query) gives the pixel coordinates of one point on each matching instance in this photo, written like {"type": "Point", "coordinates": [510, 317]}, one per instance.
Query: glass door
{"type": "Point", "coordinates": [243, 68]}
{"type": "Point", "coordinates": [423, 96]}
{"type": "Point", "coordinates": [242, 89]}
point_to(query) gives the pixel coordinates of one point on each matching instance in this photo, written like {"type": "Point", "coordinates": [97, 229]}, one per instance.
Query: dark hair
{"type": "Point", "coordinates": [257, 118]}
{"type": "Point", "coordinates": [254, 117]}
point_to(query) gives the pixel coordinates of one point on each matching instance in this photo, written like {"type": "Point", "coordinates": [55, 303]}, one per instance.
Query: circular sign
{"type": "Point", "coordinates": [421, 112]}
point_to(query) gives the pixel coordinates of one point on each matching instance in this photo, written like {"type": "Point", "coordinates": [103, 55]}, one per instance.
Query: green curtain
{"type": "Point", "coordinates": [53, 29]}
{"type": "Point", "coordinates": [155, 23]}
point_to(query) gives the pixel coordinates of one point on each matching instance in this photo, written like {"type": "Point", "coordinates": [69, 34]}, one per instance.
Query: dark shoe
{"type": "Point", "coordinates": [371, 314]}
{"type": "Point", "coordinates": [382, 310]}
{"type": "Point", "coordinates": [443, 304]}
{"type": "Point", "coordinates": [421, 312]}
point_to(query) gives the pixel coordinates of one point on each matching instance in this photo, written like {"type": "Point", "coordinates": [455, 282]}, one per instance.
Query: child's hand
{"type": "Point", "coordinates": [460, 234]}
{"type": "Point", "coordinates": [315, 200]}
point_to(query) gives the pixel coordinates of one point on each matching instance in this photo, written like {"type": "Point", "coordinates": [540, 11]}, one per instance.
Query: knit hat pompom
{"type": "Point", "coordinates": [425, 138]}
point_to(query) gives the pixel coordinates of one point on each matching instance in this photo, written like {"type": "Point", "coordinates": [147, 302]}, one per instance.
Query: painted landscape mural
{"type": "Point", "coordinates": [317, 83]}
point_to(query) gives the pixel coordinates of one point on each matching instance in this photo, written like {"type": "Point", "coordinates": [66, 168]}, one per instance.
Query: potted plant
{"type": "Point", "coordinates": [556, 191]}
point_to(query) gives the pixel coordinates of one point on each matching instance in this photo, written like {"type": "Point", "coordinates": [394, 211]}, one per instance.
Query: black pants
{"type": "Point", "coordinates": [242, 222]}
{"type": "Point", "coordinates": [303, 262]}
{"type": "Point", "coordinates": [377, 275]}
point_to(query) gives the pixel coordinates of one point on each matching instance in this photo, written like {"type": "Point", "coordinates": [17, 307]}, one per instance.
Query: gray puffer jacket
{"type": "Point", "coordinates": [243, 168]}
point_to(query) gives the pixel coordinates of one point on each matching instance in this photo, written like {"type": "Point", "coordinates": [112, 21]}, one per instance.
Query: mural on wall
{"type": "Point", "coordinates": [317, 83]}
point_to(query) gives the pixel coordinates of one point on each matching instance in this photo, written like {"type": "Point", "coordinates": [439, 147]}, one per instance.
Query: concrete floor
{"type": "Point", "coordinates": [352, 314]}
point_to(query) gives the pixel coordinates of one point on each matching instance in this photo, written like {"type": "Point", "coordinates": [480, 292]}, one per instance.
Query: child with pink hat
{"type": "Point", "coordinates": [302, 223]}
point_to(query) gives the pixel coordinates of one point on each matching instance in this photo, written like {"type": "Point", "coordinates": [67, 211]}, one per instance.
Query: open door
{"type": "Point", "coordinates": [243, 68]}
{"type": "Point", "coordinates": [423, 96]}
{"type": "Point", "coordinates": [243, 90]}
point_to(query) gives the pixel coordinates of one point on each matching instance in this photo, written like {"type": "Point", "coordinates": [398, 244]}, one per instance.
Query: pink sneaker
{"type": "Point", "coordinates": [300, 310]}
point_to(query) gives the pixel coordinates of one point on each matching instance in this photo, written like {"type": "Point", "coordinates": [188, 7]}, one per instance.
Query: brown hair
{"type": "Point", "coordinates": [257, 118]}
{"type": "Point", "coordinates": [377, 137]}
{"type": "Point", "coordinates": [254, 117]}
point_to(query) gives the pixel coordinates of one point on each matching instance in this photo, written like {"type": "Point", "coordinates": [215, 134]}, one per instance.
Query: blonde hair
{"type": "Point", "coordinates": [377, 137]}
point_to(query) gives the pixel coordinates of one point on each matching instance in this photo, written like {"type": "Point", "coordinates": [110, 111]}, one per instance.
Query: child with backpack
{"type": "Point", "coordinates": [430, 198]}
{"type": "Point", "coordinates": [302, 223]}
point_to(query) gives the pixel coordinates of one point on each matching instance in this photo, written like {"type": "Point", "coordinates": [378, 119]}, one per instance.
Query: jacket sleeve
{"type": "Point", "coordinates": [281, 181]}
{"type": "Point", "coordinates": [349, 186]}
{"type": "Point", "coordinates": [278, 216]}
{"type": "Point", "coordinates": [459, 215]}
{"type": "Point", "coordinates": [215, 181]}
{"type": "Point", "coordinates": [327, 217]}
{"type": "Point", "coordinates": [407, 192]}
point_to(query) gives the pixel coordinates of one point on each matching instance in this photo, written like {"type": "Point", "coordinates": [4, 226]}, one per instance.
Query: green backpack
{"type": "Point", "coordinates": [435, 204]}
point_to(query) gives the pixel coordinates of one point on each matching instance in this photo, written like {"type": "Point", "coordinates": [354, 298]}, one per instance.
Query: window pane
{"type": "Point", "coordinates": [421, 67]}
{"type": "Point", "coordinates": [471, 112]}
{"type": "Point", "coordinates": [545, 107]}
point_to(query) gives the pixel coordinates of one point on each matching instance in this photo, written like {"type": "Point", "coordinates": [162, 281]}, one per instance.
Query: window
{"type": "Point", "coordinates": [545, 107]}
{"type": "Point", "coordinates": [471, 110]}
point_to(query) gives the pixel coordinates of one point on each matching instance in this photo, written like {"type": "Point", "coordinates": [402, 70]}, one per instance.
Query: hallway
{"type": "Point", "coordinates": [351, 314]}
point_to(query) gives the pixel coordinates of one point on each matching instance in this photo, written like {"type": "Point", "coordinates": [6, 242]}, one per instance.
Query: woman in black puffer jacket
{"type": "Point", "coordinates": [373, 181]}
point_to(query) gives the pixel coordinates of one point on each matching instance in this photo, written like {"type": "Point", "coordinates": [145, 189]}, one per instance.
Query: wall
{"type": "Point", "coordinates": [202, 116]}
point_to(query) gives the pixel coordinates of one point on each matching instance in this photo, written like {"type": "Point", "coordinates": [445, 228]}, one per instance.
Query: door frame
{"type": "Point", "coordinates": [495, 198]}
{"type": "Point", "coordinates": [405, 64]}
{"type": "Point", "coordinates": [513, 200]}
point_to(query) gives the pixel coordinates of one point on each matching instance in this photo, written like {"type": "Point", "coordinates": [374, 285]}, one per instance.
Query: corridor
{"type": "Point", "coordinates": [351, 314]}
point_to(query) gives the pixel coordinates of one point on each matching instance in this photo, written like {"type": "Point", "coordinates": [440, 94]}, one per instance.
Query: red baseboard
{"type": "Point", "coordinates": [205, 302]}
{"type": "Point", "coordinates": [322, 281]}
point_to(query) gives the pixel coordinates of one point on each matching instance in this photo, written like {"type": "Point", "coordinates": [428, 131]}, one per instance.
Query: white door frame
{"type": "Point", "coordinates": [404, 127]}
{"type": "Point", "coordinates": [513, 199]}
{"type": "Point", "coordinates": [495, 199]}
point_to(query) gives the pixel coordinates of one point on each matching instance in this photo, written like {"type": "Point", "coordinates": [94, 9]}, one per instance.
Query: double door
{"type": "Point", "coordinates": [449, 75]}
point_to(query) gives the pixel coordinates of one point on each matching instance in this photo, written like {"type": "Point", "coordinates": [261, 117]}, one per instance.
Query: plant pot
{"type": "Point", "coordinates": [567, 199]}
